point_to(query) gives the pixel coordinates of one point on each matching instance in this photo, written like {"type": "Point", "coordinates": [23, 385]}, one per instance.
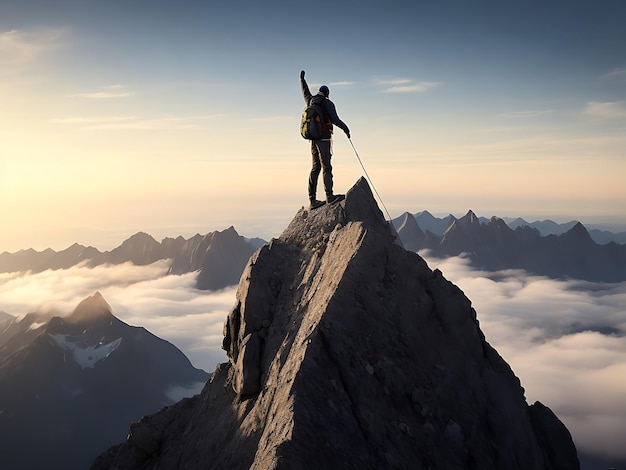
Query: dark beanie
{"type": "Point", "coordinates": [324, 89]}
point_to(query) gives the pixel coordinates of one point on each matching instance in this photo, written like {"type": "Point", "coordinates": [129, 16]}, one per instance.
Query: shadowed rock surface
{"type": "Point", "coordinates": [347, 351]}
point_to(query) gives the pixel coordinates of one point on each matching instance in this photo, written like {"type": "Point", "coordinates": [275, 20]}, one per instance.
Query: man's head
{"type": "Point", "coordinates": [324, 90]}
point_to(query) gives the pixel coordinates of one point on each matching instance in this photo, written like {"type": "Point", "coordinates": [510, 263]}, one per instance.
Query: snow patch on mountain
{"type": "Point", "coordinates": [36, 325]}
{"type": "Point", "coordinates": [86, 356]}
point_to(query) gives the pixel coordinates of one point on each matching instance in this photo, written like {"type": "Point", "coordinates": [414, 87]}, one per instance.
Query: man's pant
{"type": "Point", "coordinates": [321, 150]}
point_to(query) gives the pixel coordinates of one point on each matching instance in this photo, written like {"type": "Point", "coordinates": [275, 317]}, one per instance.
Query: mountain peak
{"type": "Point", "coordinates": [578, 232]}
{"type": "Point", "coordinates": [90, 309]}
{"type": "Point", "coordinates": [341, 340]}
{"type": "Point", "coordinates": [410, 230]}
{"type": "Point", "coordinates": [139, 240]}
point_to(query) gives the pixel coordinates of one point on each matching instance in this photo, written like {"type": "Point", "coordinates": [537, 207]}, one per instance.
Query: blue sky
{"type": "Point", "coordinates": [181, 117]}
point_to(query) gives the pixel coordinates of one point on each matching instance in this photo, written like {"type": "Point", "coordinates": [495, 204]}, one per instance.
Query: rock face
{"type": "Point", "coordinates": [347, 351]}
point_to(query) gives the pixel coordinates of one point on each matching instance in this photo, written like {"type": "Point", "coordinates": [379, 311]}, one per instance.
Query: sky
{"type": "Point", "coordinates": [176, 118]}
{"type": "Point", "coordinates": [546, 330]}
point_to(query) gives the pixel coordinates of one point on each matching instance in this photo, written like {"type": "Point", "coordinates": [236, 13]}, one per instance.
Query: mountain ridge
{"type": "Point", "coordinates": [218, 256]}
{"type": "Point", "coordinates": [599, 233]}
{"type": "Point", "coordinates": [493, 245]}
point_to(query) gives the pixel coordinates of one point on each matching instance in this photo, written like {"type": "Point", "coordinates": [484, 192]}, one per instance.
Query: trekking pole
{"type": "Point", "coordinates": [375, 192]}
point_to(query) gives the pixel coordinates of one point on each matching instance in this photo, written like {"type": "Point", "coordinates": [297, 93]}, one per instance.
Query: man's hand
{"type": "Point", "coordinates": [347, 133]}
{"type": "Point", "coordinates": [302, 75]}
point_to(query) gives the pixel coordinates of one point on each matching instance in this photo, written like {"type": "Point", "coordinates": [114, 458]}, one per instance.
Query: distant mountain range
{"type": "Point", "coordinates": [494, 245]}
{"type": "Point", "coordinates": [219, 257]}
{"type": "Point", "coordinates": [541, 247]}
{"type": "Point", "coordinates": [438, 225]}
{"type": "Point", "coordinates": [69, 387]}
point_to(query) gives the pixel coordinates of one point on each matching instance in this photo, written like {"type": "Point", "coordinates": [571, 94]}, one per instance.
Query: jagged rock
{"type": "Point", "coordinates": [146, 437]}
{"type": "Point", "coordinates": [554, 436]}
{"type": "Point", "coordinates": [247, 372]}
{"type": "Point", "coordinates": [347, 351]}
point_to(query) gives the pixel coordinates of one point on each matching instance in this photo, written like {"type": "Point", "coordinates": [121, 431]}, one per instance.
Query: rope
{"type": "Point", "coordinates": [369, 179]}
{"type": "Point", "coordinates": [376, 192]}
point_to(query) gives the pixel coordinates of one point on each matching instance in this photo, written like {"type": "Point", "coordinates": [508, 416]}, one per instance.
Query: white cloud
{"type": "Point", "coordinates": [528, 114]}
{"type": "Point", "coordinates": [617, 75]}
{"type": "Point", "coordinates": [101, 95]}
{"type": "Point", "coordinates": [392, 81]}
{"type": "Point", "coordinates": [343, 83]}
{"type": "Point", "coordinates": [404, 85]}
{"type": "Point", "coordinates": [494, 130]}
{"type": "Point", "coordinates": [99, 123]}
{"type": "Point", "coordinates": [20, 48]}
{"type": "Point", "coordinates": [606, 110]}
{"type": "Point", "coordinates": [418, 87]}
{"type": "Point", "coordinates": [112, 91]}
{"type": "Point", "coordinates": [93, 120]}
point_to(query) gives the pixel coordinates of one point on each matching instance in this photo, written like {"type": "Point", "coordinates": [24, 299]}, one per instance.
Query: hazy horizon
{"type": "Point", "coordinates": [105, 240]}
{"type": "Point", "coordinates": [128, 116]}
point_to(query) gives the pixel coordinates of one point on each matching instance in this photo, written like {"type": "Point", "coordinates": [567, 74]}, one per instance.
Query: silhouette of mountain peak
{"type": "Point", "coordinates": [140, 238]}
{"type": "Point", "coordinates": [578, 233]}
{"type": "Point", "coordinates": [90, 309]}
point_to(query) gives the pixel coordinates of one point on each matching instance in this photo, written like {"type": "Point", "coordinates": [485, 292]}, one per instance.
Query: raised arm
{"type": "Point", "coordinates": [306, 93]}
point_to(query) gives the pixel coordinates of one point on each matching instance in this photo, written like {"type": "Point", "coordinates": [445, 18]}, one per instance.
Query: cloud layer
{"type": "Point", "coordinates": [168, 306]}
{"type": "Point", "coordinates": [564, 339]}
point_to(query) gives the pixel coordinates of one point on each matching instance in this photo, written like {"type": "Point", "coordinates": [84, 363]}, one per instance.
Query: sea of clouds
{"type": "Point", "coordinates": [167, 306]}
{"type": "Point", "coordinates": [565, 340]}
{"type": "Point", "coordinates": [549, 331]}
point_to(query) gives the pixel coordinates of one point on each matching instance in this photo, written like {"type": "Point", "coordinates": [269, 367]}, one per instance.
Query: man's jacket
{"type": "Point", "coordinates": [328, 106]}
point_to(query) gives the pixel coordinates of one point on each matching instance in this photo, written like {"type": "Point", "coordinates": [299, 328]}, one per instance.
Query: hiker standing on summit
{"type": "Point", "coordinates": [322, 149]}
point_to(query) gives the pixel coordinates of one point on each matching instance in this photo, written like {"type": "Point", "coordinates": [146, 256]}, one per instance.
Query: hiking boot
{"type": "Point", "coordinates": [315, 204]}
{"type": "Point", "coordinates": [334, 198]}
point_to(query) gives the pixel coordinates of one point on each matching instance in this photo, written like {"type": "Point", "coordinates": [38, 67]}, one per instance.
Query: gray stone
{"type": "Point", "coordinates": [144, 436]}
{"type": "Point", "coordinates": [247, 371]}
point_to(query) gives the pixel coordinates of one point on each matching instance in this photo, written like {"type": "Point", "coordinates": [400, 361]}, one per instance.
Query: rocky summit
{"type": "Point", "coordinates": [347, 351]}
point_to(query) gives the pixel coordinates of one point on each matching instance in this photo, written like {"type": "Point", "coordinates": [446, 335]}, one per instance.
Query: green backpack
{"type": "Point", "coordinates": [313, 125]}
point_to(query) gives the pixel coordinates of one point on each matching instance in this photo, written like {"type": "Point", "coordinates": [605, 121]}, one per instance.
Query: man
{"type": "Point", "coordinates": [321, 149]}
